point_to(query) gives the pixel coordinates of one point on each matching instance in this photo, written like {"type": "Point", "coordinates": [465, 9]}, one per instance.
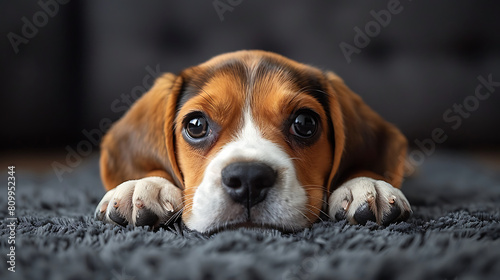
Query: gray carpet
{"type": "Point", "coordinates": [453, 234]}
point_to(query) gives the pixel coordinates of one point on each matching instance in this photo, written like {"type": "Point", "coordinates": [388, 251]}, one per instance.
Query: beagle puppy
{"type": "Point", "coordinates": [251, 139]}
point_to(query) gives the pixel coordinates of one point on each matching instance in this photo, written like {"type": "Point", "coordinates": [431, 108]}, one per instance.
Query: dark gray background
{"type": "Point", "coordinates": [66, 78]}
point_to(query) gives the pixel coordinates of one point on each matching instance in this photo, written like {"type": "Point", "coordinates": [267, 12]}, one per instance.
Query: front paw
{"type": "Point", "coordinates": [365, 199]}
{"type": "Point", "coordinates": [151, 201]}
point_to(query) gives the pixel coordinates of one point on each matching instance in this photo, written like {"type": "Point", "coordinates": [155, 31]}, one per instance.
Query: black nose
{"type": "Point", "coordinates": [248, 182]}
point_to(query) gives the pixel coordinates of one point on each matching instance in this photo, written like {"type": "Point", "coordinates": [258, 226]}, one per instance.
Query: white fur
{"type": "Point", "coordinates": [285, 202]}
{"type": "Point", "coordinates": [355, 192]}
{"type": "Point", "coordinates": [157, 194]}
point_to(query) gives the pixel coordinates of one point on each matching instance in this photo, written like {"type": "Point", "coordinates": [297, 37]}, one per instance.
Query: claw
{"type": "Point", "coordinates": [392, 199]}
{"type": "Point", "coordinates": [168, 206]}
{"type": "Point", "coordinates": [139, 204]}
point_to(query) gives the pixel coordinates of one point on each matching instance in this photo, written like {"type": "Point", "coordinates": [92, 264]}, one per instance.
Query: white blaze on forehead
{"type": "Point", "coordinates": [285, 203]}
{"type": "Point", "coordinates": [250, 134]}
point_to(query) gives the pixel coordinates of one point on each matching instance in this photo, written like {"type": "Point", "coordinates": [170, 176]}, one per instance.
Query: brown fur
{"type": "Point", "coordinates": [147, 141]}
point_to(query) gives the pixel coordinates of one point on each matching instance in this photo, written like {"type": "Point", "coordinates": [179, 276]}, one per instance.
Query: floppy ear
{"type": "Point", "coordinates": [365, 144]}
{"type": "Point", "coordinates": [141, 143]}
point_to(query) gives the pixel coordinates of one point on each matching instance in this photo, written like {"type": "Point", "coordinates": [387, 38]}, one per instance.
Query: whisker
{"type": "Point", "coordinates": [189, 195]}
{"type": "Point", "coordinates": [305, 216]}
{"type": "Point", "coordinates": [313, 187]}
{"type": "Point", "coordinates": [297, 159]}
{"type": "Point", "coordinates": [320, 199]}
{"type": "Point", "coordinates": [174, 217]}
{"type": "Point", "coordinates": [320, 211]}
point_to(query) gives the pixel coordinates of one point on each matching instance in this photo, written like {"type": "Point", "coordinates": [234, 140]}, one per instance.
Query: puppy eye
{"type": "Point", "coordinates": [197, 127]}
{"type": "Point", "coordinates": [304, 125]}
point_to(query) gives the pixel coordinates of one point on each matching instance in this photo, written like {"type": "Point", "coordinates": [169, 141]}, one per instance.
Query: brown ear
{"type": "Point", "coordinates": [141, 143]}
{"type": "Point", "coordinates": [365, 144]}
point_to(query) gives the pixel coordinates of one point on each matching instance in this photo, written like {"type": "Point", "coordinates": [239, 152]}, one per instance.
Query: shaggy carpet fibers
{"type": "Point", "coordinates": [454, 233]}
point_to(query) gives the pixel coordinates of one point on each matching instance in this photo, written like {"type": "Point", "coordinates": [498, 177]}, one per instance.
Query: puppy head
{"type": "Point", "coordinates": [254, 139]}
{"type": "Point", "coordinates": [255, 142]}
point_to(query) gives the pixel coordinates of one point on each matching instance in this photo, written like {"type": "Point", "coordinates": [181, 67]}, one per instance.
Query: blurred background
{"type": "Point", "coordinates": [69, 67]}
